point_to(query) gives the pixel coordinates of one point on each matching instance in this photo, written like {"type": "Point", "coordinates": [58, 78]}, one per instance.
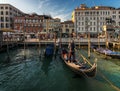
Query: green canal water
{"type": "Point", "coordinates": [51, 74]}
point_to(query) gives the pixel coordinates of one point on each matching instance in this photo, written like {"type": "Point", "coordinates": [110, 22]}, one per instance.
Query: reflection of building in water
{"type": "Point", "coordinates": [46, 63]}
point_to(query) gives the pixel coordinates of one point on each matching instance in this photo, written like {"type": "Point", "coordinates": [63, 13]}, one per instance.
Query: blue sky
{"type": "Point", "coordinates": [57, 8]}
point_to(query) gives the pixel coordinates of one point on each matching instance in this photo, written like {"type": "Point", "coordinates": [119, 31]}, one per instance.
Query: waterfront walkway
{"type": "Point", "coordinates": [82, 41]}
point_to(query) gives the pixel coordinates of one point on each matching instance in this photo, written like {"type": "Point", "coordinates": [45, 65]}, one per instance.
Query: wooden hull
{"type": "Point", "coordinates": [86, 72]}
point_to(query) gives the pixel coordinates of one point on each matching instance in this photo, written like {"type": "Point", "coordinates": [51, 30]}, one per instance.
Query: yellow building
{"type": "Point", "coordinates": [73, 16]}
{"type": "Point", "coordinates": [67, 28]}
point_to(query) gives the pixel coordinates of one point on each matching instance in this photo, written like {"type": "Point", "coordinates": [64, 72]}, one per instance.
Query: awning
{"type": "Point", "coordinates": [6, 30]}
{"type": "Point", "coordinates": [42, 33]}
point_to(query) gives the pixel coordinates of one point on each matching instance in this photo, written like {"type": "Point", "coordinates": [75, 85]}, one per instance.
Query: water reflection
{"type": "Point", "coordinates": [46, 63]}
{"type": "Point", "coordinates": [50, 74]}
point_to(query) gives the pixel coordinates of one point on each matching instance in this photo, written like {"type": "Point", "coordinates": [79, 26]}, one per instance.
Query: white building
{"type": "Point", "coordinates": [92, 19]}
{"type": "Point", "coordinates": [7, 13]}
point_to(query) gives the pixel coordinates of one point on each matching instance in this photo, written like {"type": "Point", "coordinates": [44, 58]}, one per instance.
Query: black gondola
{"type": "Point", "coordinates": [79, 68]}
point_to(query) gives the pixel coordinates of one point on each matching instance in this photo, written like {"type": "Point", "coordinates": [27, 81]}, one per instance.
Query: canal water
{"type": "Point", "coordinates": [51, 74]}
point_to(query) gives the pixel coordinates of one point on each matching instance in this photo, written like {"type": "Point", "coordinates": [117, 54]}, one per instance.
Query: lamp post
{"type": "Point", "coordinates": [88, 33]}
{"type": "Point", "coordinates": [76, 28]}
{"type": "Point", "coordinates": [98, 33]}
{"type": "Point", "coordinates": [24, 37]}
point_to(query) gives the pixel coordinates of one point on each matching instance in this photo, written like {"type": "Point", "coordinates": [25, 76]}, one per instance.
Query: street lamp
{"type": "Point", "coordinates": [87, 24]}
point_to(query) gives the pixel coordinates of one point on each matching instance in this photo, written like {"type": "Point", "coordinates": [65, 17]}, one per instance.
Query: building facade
{"type": "Point", "coordinates": [51, 24]}
{"type": "Point", "coordinates": [7, 13]}
{"type": "Point", "coordinates": [92, 19]}
{"type": "Point", "coordinates": [67, 28]}
{"type": "Point", "coordinates": [32, 24]}
{"type": "Point", "coordinates": [28, 23]}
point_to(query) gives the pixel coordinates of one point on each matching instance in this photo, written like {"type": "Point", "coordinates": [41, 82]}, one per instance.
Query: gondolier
{"type": "Point", "coordinates": [71, 47]}
{"type": "Point", "coordinates": [82, 69]}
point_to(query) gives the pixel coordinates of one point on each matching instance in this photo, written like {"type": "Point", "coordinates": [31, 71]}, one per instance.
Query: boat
{"type": "Point", "coordinates": [49, 50]}
{"type": "Point", "coordinates": [81, 69]}
{"type": "Point", "coordinates": [107, 52]}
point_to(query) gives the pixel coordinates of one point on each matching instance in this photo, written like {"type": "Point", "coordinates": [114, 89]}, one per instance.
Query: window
{"type": "Point", "coordinates": [1, 12]}
{"type": "Point", "coordinates": [114, 12]}
{"type": "Point", "coordinates": [93, 13]}
{"type": "Point", "coordinates": [33, 21]}
{"type": "Point", "coordinates": [6, 7]}
{"type": "Point", "coordinates": [67, 30]}
{"type": "Point", "coordinates": [6, 12]}
{"type": "Point", "coordinates": [10, 13]}
{"type": "Point", "coordinates": [66, 25]}
{"type": "Point", "coordinates": [114, 17]}
{"type": "Point", "coordinates": [90, 18]}
{"type": "Point", "coordinates": [10, 8]}
{"type": "Point", "coordinates": [119, 23]}
{"type": "Point", "coordinates": [90, 13]}
{"type": "Point", "coordinates": [2, 19]}
{"type": "Point", "coordinates": [30, 21]}
{"type": "Point", "coordinates": [97, 13]}
{"type": "Point", "coordinates": [7, 19]}
{"type": "Point", "coordinates": [90, 28]}
{"type": "Point", "coordinates": [7, 25]}
{"type": "Point", "coordinates": [1, 7]}
{"type": "Point", "coordinates": [86, 13]}
{"type": "Point", "coordinates": [82, 23]}
{"type": "Point", "coordinates": [2, 25]}
{"type": "Point", "coordinates": [91, 23]}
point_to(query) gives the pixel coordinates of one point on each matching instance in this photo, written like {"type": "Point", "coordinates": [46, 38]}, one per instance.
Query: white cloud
{"type": "Point", "coordinates": [57, 11]}
{"type": "Point", "coordinates": [42, 7]}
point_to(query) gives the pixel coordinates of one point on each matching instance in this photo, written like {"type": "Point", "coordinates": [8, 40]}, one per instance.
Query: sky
{"type": "Point", "coordinates": [57, 8]}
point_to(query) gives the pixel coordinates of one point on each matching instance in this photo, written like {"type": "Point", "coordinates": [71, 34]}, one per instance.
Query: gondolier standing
{"type": "Point", "coordinates": [71, 47]}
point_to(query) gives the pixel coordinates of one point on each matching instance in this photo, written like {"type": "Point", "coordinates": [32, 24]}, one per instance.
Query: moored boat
{"type": "Point", "coordinates": [107, 52]}
{"type": "Point", "coordinates": [49, 51]}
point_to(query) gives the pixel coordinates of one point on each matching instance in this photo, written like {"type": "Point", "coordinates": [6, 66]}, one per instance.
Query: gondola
{"type": "Point", "coordinates": [81, 69]}
{"type": "Point", "coordinates": [107, 52]}
{"type": "Point", "coordinates": [49, 50]}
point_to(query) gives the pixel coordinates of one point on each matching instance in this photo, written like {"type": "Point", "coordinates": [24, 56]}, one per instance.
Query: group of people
{"type": "Point", "coordinates": [70, 56]}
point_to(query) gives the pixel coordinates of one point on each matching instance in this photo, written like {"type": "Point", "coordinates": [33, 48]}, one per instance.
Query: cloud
{"type": "Point", "coordinates": [52, 8]}
{"type": "Point", "coordinates": [56, 8]}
